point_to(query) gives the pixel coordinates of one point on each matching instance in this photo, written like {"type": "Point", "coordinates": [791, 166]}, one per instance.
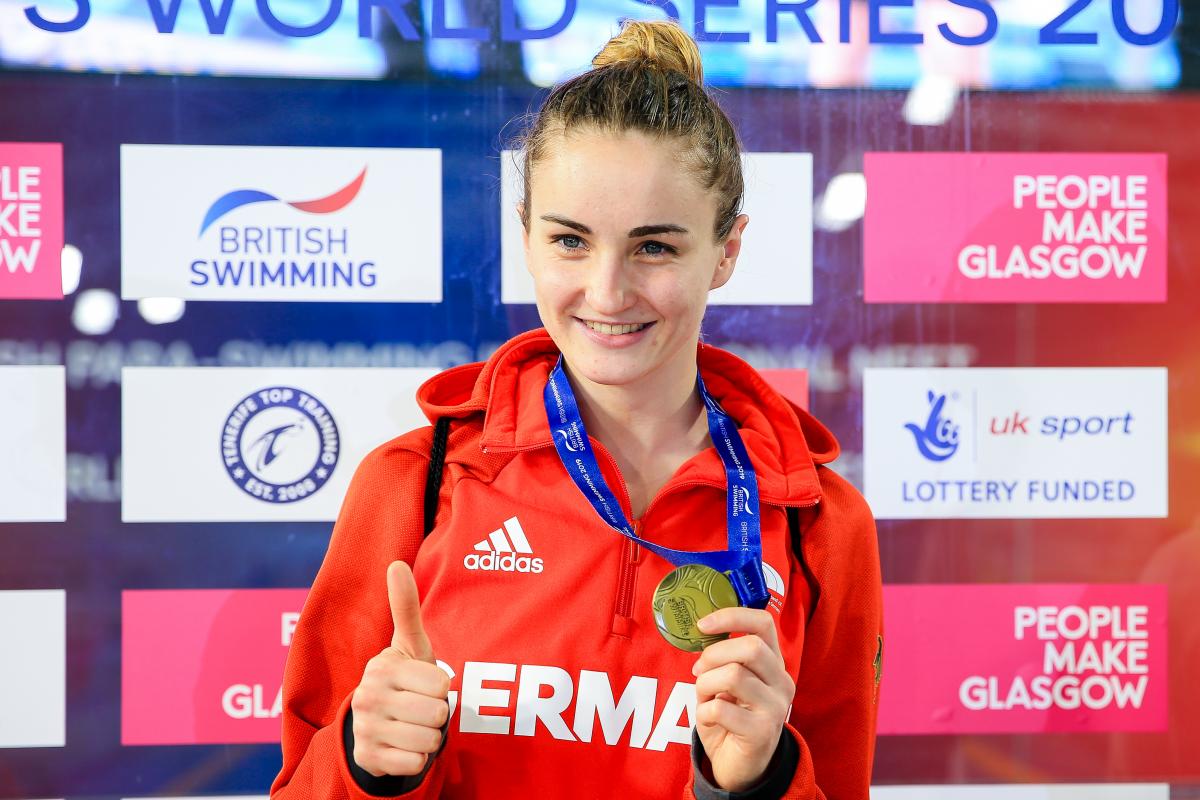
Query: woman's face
{"type": "Point", "coordinates": [620, 246]}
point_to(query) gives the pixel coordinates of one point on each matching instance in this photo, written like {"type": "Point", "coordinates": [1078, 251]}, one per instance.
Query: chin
{"type": "Point", "coordinates": [605, 372]}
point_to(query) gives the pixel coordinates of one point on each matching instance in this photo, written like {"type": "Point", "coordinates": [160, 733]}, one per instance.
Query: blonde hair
{"type": "Point", "coordinates": [647, 78]}
{"type": "Point", "coordinates": [661, 43]}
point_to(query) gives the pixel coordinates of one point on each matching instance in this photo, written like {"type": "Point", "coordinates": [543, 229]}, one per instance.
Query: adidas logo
{"type": "Point", "coordinates": [504, 550]}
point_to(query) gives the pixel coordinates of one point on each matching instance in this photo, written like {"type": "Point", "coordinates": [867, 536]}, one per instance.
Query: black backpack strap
{"type": "Point", "coordinates": [793, 517]}
{"type": "Point", "coordinates": [437, 463]}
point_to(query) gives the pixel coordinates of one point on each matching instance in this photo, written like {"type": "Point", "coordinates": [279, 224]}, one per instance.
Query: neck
{"type": "Point", "coordinates": [663, 413]}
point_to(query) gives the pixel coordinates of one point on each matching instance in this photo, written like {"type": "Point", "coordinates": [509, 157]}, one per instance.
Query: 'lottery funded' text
{"type": "Point", "coordinates": [1026, 658]}
{"type": "Point", "coordinates": [1016, 227]}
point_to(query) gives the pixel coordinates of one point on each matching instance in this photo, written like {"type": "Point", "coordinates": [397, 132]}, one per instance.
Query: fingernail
{"type": "Point", "coordinates": [705, 623]}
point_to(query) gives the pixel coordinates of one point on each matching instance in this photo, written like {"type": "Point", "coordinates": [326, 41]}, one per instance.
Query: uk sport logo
{"type": "Point", "coordinates": [938, 439]}
{"type": "Point", "coordinates": [505, 549]}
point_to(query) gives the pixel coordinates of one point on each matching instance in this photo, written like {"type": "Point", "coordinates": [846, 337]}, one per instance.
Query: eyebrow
{"type": "Point", "coordinates": [641, 230]}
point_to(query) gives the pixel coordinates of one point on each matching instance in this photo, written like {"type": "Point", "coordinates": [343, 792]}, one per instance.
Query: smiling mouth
{"type": "Point", "coordinates": [616, 330]}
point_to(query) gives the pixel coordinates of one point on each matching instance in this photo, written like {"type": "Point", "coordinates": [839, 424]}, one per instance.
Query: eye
{"type": "Point", "coordinates": [657, 249]}
{"type": "Point", "coordinates": [568, 241]}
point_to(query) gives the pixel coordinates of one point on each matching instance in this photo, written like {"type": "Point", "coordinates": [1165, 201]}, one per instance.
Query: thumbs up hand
{"type": "Point", "coordinates": [400, 704]}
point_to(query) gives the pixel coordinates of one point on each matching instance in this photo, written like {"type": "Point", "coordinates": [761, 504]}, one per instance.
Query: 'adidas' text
{"type": "Point", "coordinates": [497, 554]}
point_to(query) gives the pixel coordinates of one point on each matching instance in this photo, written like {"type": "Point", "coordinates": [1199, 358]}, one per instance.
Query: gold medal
{"type": "Point", "coordinates": [686, 595]}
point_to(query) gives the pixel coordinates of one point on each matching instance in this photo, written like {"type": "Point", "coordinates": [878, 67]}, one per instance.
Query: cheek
{"type": "Point", "coordinates": [683, 298]}
{"type": "Point", "coordinates": [552, 286]}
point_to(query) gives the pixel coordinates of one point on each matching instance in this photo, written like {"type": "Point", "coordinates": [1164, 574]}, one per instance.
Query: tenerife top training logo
{"type": "Point", "coordinates": [280, 444]}
{"type": "Point", "coordinates": [322, 205]}
{"type": "Point", "coordinates": [938, 440]}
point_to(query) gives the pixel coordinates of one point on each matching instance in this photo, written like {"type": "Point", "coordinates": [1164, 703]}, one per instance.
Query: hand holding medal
{"type": "Point", "coordinates": [743, 694]}
{"type": "Point", "coordinates": [743, 690]}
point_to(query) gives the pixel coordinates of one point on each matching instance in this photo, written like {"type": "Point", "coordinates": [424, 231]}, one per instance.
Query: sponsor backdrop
{"type": "Point", "coordinates": [217, 294]}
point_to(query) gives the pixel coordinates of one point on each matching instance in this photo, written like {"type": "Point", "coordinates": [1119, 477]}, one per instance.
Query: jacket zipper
{"type": "Point", "coordinates": [629, 558]}
{"type": "Point", "coordinates": [630, 552]}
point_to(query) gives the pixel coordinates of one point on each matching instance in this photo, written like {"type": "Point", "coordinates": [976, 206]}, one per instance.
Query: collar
{"type": "Point", "coordinates": [785, 443]}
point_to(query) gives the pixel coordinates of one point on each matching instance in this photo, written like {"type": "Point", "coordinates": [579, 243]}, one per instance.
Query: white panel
{"type": "Point", "coordinates": [33, 449]}
{"type": "Point", "coordinates": [1111, 791]}
{"type": "Point", "coordinates": [176, 465]}
{"type": "Point", "coordinates": [33, 670]}
{"type": "Point", "coordinates": [387, 236]}
{"type": "Point", "coordinates": [775, 266]}
{"type": "Point", "coordinates": [1028, 443]}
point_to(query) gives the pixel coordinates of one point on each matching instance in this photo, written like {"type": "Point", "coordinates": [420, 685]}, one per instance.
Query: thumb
{"type": "Point", "coordinates": [408, 634]}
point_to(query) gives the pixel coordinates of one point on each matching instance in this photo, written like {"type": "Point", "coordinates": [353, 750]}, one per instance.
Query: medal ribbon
{"type": "Point", "coordinates": [742, 561]}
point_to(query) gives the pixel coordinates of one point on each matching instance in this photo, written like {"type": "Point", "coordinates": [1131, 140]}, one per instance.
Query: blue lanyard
{"type": "Point", "coordinates": [742, 561]}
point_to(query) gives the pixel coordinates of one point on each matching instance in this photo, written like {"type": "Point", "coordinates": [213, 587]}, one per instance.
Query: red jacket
{"type": "Point", "coordinates": [560, 681]}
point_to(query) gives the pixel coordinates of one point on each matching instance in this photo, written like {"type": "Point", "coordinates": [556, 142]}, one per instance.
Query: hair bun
{"type": "Point", "coordinates": [661, 43]}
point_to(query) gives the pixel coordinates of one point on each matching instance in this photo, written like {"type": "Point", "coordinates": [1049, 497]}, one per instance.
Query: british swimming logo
{"type": "Point", "coordinates": [280, 444]}
{"type": "Point", "coordinates": [741, 500]}
{"type": "Point", "coordinates": [342, 224]}
{"type": "Point", "coordinates": [571, 438]}
{"type": "Point", "coordinates": [299, 254]}
{"type": "Point", "coordinates": [937, 440]}
{"type": "Point", "coordinates": [322, 205]}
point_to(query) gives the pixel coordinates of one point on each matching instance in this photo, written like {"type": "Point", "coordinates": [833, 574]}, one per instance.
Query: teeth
{"type": "Point", "coordinates": [614, 330]}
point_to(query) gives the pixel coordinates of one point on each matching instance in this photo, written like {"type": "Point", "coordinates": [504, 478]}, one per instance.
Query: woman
{"type": "Point", "coordinates": [539, 653]}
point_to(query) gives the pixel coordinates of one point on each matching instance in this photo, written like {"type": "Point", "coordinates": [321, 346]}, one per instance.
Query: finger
{"type": "Point", "coordinates": [389, 761]}
{"type": "Point", "coordinates": [733, 718]}
{"type": "Point", "coordinates": [738, 619]}
{"type": "Point", "coordinates": [408, 633]}
{"type": "Point", "coordinates": [735, 683]}
{"type": "Point", "coordinates": [418, 709]}
{"type": "Point", "coordinates": [749, 651]}
{"type": "Point", "coordinates": [408, 736]}
{"type": "Point", "coordinates": [409, 675]}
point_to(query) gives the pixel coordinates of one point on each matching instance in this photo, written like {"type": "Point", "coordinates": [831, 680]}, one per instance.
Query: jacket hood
{"type": "Point", "coordinates": [785, 442]}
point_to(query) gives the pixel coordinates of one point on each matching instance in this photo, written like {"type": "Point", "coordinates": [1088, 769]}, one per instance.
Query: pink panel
{"type": "Point", "coordinates": [1015, 228]}
{"type": "Point", "coordinates": [204, 666]}
{"type": "Point", "coordinates": [791, 383]}
{"type": "Point", "coordinates": [31, 220]}
{"type": "Point", "coordinates": [1024, 658]}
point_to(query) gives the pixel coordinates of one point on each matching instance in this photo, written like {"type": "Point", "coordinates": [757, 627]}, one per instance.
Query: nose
{"type": "Point", "coordinates": [609, 288]}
